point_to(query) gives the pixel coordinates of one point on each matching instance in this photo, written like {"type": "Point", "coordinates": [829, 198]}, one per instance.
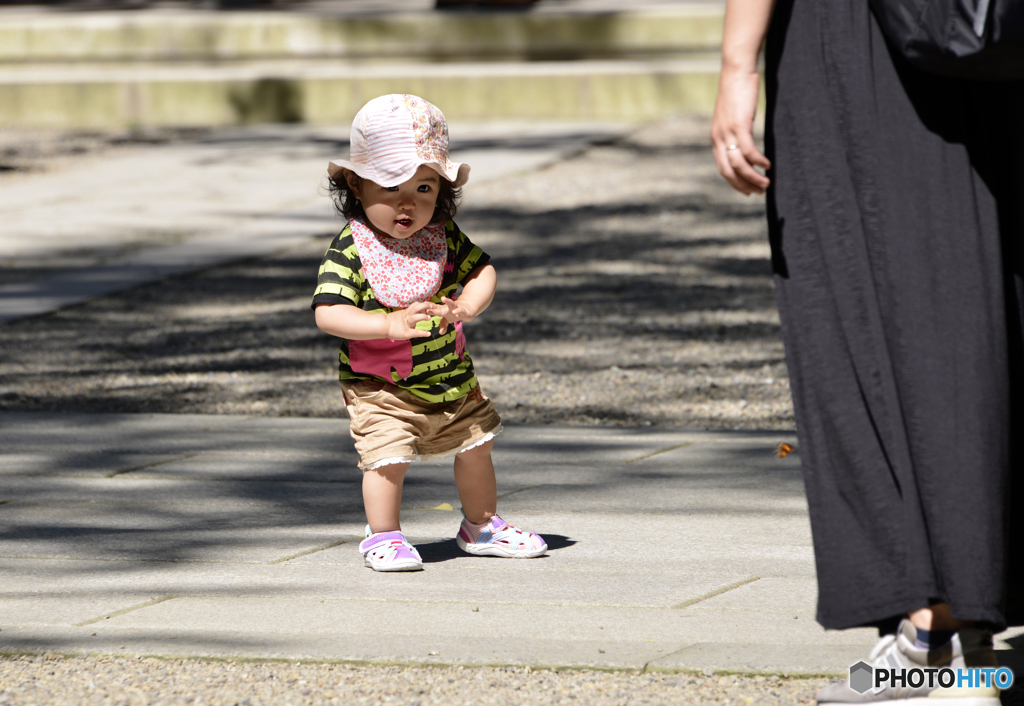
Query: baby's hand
{"type": "Point", "coordinates": [402, 323]}
{"type": "Point", "coordinates": [451, 311]}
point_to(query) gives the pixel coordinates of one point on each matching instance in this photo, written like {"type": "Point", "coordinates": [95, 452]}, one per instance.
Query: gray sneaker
{"type": "Point", "coordinates": [969, 648]}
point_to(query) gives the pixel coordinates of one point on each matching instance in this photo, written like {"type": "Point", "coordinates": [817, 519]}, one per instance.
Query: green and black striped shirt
{"type": "Point", "coordinates": [437, 368]}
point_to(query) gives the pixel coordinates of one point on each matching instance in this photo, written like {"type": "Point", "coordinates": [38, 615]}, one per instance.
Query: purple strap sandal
{"type": "Point", "coordinates": [390, 551]}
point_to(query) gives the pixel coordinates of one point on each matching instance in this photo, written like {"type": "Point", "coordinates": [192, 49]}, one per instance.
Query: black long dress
{"type": "Point", "coordinates": [895, 218]}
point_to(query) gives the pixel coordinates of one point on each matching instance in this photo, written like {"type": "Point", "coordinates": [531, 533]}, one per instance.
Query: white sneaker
{"type": "Point", "coordinates": [969, 648]}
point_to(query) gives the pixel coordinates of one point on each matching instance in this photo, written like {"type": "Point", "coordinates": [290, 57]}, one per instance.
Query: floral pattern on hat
{"type": "Point", "coordinates": [429, 128]}
{"type": "Point", "coordinates": [392, 136]}
{"type": "Point", "coordinates": [402, 272]}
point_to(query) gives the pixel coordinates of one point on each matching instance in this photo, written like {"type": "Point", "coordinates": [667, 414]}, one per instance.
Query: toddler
{"type": "Point", "coordinates": [388, 287]}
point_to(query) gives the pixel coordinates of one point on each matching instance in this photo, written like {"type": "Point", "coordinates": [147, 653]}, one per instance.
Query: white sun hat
{"type": "Point", "coordinates": [392, 136]}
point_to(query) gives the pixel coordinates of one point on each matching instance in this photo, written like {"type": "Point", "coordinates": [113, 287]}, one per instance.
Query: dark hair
{"type": "Point", "coordinates": [346, 203]}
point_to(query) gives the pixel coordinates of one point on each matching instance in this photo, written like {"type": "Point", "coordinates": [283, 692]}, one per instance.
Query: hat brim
{"type": "Point", "coordinates": [455, 172]}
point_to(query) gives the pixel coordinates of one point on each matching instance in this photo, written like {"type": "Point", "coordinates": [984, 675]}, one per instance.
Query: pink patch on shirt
{"type": "Point", "coordinates": [379, 356]}
{"type": "Point", "coordinates": [460, 341]}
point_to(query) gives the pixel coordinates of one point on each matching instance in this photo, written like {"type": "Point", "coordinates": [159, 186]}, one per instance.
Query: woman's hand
{"type": "Point", "coordinates": [732, 132]}
{"type": "Point", "coordinates": [732, 127]}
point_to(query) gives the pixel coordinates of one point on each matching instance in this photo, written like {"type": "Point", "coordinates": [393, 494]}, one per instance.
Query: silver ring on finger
{"type": "Point", "coordinates": [730, 148]}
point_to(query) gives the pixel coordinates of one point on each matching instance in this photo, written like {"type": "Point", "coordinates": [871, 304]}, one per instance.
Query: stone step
{"type": "Point", "coordinates": [166, 36]}
{"type": "Point", "coordinates": [330, 91]}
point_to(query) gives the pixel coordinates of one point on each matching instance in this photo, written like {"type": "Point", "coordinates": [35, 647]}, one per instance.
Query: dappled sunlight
{"type": "Point", "coordinates": [633, 289]}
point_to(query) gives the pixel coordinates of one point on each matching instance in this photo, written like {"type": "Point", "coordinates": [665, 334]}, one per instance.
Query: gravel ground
{"type": "Point", "coordinates": [634, 289]}
{"type": "Point", "coordinates": [50, 679]}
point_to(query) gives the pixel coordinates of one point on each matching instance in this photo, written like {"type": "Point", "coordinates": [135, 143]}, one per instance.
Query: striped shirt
{"type": "Point", "coordinates": [437, 368]}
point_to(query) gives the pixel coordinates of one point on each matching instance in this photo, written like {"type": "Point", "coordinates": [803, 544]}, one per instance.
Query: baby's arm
{"type": "Point", "coordinates": [477, 295]}
{"type": "Point", "coordinates": [353, 323]}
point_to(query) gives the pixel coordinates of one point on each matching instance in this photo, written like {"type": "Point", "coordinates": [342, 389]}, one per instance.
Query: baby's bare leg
{"type": "Point", "coordinates": [474, 477]}
{"type": "Point", "coordinates": [382, 497]}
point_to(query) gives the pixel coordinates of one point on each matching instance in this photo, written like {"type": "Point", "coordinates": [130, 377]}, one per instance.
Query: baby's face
{"type": "Point", "coordinates": [398, 211]}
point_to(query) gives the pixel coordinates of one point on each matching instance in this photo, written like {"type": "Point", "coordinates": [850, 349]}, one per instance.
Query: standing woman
{"type": "Point", "coordinates": [894, 203]}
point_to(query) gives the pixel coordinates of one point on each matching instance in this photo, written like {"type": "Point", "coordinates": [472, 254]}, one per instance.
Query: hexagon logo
{"type": "Point", "coordinates": [861, 675]}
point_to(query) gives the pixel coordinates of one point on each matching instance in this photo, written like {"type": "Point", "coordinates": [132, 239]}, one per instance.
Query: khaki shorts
{"type": "Point", "coordinates": [391, 424]}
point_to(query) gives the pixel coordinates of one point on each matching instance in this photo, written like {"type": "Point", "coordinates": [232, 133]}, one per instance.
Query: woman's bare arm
{"type": "Point", "coordinates": [746, 24]}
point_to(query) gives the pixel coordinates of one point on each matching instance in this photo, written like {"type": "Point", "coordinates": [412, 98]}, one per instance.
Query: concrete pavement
{"type": "Point", "coordinates": [233, 536]}
{"type": "Point", "coordinates": [236, 536]}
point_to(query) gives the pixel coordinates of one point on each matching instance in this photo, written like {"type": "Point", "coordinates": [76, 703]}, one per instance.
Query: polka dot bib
{"type": "Point", "coordinates": [402, 272]}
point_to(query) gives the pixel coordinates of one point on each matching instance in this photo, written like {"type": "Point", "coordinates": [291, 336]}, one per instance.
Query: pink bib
{"type": "Point", "coordinates": [402, 272]}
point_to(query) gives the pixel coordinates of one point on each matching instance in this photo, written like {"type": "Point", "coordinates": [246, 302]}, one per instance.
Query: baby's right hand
{"type": "Point", "coordinates": [402, 323]}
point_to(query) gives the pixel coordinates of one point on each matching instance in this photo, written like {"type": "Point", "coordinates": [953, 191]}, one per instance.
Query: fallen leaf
{"type": "Point", "coordinates": [784, 449]}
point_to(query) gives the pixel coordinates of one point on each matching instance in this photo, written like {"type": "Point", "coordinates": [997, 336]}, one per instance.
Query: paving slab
{"type": "Point", "coordinates": [798, 659]}
{"type": "Point", "coordinates": [237, 535]}
{"type": "Point", "coordinates": [81, 465]}
{"type": "Point", "coordinates": [190, 555]}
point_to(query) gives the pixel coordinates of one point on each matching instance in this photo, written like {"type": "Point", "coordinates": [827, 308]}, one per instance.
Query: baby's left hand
{"type": "Point", "coordinates": [451, 311]}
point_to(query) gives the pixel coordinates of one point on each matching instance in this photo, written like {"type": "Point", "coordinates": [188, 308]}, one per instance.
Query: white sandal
{"type": "Point", "coordinates": [390, 551]}
{"type": "Point", "coordinates": [498, 538]}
